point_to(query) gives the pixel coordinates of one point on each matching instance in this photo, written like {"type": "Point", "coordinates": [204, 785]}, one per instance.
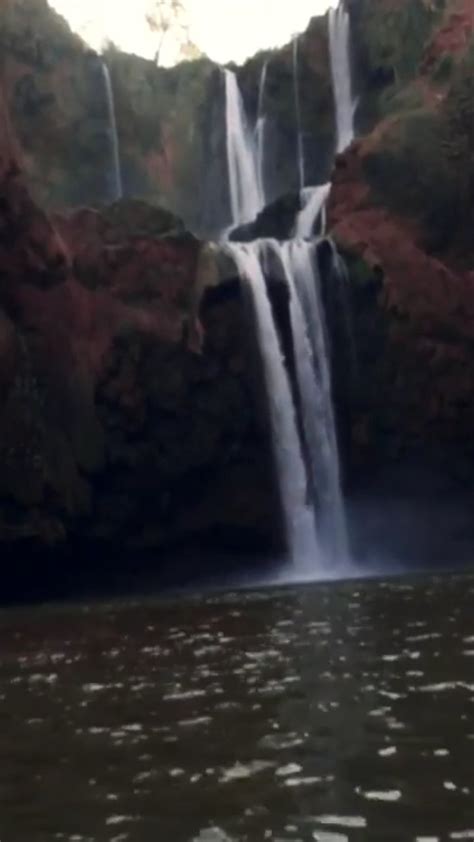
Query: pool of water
{"type": "Point", "coordinates": [331, 713]}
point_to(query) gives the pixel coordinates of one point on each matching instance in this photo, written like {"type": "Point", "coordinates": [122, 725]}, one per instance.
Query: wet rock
{"type": "Point", "coordinates": [276, 220]}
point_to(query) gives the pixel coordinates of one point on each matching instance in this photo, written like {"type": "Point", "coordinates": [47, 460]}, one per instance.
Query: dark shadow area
{"type": "Point", "coordinates": [93, 570]}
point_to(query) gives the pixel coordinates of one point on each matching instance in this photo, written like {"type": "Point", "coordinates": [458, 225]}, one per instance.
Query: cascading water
{"type": "Point", "coordinates": [303, 544]}
{"type": "Point", "coordinates": [309, 487]}
{"type": "Point", "coordinates": [260, 132]}
{"type": "Point", "coordinates": [299, 129]}
{"type": "Point", "coordinates": [339, 48]}
{"type": "Point", "coordinates": [299, 262]}
{"type": "Point", "coordinates": [314, 201]}
{"type": "Point", "coordinates": [303, 433]}
{"type": "Point", "coordinates": [116, 173]}
{"type": "Point", "coordinates": [246, 198]}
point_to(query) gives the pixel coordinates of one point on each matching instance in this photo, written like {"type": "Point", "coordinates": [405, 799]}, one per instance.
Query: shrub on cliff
{"type": "Point", "coordinates": [424, 164]}
{"type": "Point", "coordinates": [390, 40]}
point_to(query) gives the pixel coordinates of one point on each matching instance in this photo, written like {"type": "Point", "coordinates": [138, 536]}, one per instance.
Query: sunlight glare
{"type": "Point", "coordinates": [225, 30]}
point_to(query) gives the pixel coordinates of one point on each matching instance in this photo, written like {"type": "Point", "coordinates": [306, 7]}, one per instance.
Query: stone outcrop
{"type": "Point", "coordinates": [401, 210]}
{"type": "Point", "coordinates": [414, 317]}
{"type": "Point", "coordinates": [128, 412]}
{"type": "Point", "coordinates": [276, 220]}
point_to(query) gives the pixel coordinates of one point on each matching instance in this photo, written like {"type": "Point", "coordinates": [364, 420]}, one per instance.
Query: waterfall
{"type": "Point", "coordinates": [299, 130]}
{"type": "Point", "coordinates": [260, 132]}
{"type": "Point", "coordinates": [303, 426]}
{"type": "Point", "coordinates": [245, 195]}
{"type": "Point", "coordinates": [299, 262]}
{"type": "Point", "coordinates": [117, 190]}
{"type": "Point", "coordinates": [299, 517]}
{"type": "Point", "coordinates": [339, 46]}
{"type": "Point", "coordinates": [313, 200]}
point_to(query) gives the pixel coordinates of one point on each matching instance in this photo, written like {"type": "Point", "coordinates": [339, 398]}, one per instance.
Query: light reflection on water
{"type": "Point", "coordinates": [321, 713]}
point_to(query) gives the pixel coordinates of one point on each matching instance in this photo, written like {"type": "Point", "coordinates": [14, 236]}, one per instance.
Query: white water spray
{"type": "Point", "coordinates": [245, 194]}
{"type": "Point", "coordinates": [117, 187]}
{"type": "Point", "coordinates": [339, 46]}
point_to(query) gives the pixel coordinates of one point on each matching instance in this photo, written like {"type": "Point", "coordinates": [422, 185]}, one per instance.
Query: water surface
{"type": "Point", "coordinates": [326, 713]}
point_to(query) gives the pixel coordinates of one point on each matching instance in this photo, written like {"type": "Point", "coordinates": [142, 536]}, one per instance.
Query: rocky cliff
{"type": "Point", "coordinates": [402, 209]}
{"type": "Point", "coordinates": [128, 412]}
{"type": "Point", "coordinates": [170, 122]}
{"type": "Point", "coordinates": [58, 103]}
{"type": "Point", "coordinates": [130, 415]}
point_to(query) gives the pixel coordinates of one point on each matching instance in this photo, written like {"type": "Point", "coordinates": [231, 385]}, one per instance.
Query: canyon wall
{"type": "Point", "coordinates": [170, 122]}
{"type": "Point", "coordinates": [128, 415]}
{"type": "Point", "coordinates": [402, 209]}
{"type": "Point", "coordinates": [131, 414]}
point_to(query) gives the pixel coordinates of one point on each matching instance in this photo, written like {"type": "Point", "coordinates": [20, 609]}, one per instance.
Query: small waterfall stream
{"type": "Point", "coordinates": [116, 172]}
{"type": "Point", "coordinates": [260, 132]}
{"type": "Point", "coordinates": [246, 198]}
{"type": "Point", "coordinates": [339, 48]}
{"type": "Point", "coordinates": [299, 127]}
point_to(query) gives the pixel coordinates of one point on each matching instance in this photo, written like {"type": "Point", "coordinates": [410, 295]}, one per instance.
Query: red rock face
{"type": "Point", "coordinates": [30, 245]}
{"type": "Point", "coordinates": [427, 309]}
{"type": "Point", "coordinates": [107, 375]}
{"type": "Point", "coordinates": [453, 36]}
{"type": "Point", "coordinates": [67, 328]}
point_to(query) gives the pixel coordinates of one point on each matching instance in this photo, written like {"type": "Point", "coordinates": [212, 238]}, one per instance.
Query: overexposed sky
{"type": "Point", "coordinates": [226, 30]}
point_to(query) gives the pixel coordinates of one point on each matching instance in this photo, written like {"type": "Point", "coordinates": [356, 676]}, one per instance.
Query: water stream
{"type": "Point", "coordinates": [340, 54]}
{"type": "Point", "coordinates": [115, 168]}
{"type": "Point", "coordinates": [260, 132]}
{"type": "Point", "coordinates": [246, 199]}
{"type": "Point", "coordinates": [303, 427]}
{"type": "Point", "coordinates": [299, 262]}
{"type": "Point", "coordinates": [304, 549]}
{"type": "Point", "coordinates": [299, 127]}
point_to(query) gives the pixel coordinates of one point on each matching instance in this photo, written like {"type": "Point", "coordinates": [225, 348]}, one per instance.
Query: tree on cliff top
{"type": "Point", "coordinates": [168, 19]}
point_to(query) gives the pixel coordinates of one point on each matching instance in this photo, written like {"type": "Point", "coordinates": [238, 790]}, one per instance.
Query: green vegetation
{"type": "Point", "coordinates": [402, 101]}
{"type": "Point", "coordinates": [391, 39]}
{"type": "Point", "coordinates": [159, 115]}
{"type": "Point", "coordinates": [395, 35]}
{"type": "Point", "coordinates": [425, 165]}
{"type": "Point", "coordinates": [35, 34]}
{"type": "Point", "coordinates": [443, 70]}
{"type": "Point", "coordinates": [132, 218]}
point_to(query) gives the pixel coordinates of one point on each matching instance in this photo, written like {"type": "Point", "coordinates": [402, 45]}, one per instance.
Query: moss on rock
{"type": "Point", "coordinates": [423, 164]}
{"type": "Point", "coordinates": [390, 39]}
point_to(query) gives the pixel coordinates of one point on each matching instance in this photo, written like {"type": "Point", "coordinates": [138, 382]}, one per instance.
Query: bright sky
{"type": "Point", "coordinates": [225, 30]}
